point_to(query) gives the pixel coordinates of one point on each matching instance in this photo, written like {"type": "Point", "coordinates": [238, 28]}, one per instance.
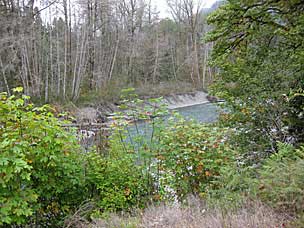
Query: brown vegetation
{"type": "Point", "coordinates": [195, 215]}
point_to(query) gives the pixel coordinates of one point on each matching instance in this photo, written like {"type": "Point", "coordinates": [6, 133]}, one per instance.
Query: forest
{"type": "Point", "coordinates": [63, 50]}
{"type": "Point", "coordinates": [243, 170]}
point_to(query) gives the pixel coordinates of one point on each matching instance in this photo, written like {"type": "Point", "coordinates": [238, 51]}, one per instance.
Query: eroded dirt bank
{"type": "Point", "coordinates": [100, 112]}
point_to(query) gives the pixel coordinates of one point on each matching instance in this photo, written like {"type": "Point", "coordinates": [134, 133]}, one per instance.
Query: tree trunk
{"type": "Point", "coordinates": [156, 59]}
{"type": "Point", "coordinates": [4, 78]}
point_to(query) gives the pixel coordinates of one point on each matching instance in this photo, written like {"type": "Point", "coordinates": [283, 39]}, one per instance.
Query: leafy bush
{"type": "Point", "coordinates": [281, 181]}
{"type": "Point", "coordinates": [260, 72]}
{"type": "Point", "coordinates": [115, 179]}
{"type": "Point", "coordinates": [232, 187]}
{"type": "Point", "coordinates": [41, 174]}
{"type": "Point", "coordinates": [278, 181]}
{"type": "Point", "coordinates": [191, 156]}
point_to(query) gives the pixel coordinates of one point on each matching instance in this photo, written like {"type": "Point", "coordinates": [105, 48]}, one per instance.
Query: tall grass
{"type": "Point", "coordinates": [194, 215]}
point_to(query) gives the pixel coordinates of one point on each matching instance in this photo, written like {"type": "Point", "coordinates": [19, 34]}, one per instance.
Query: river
{"type": "Point", "coordinates": [203, 113]}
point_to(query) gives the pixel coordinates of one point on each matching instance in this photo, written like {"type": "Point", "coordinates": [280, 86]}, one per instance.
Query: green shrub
{"type": "Point", "coordinates": [281, 181]}
{"type": "Point", "coordinates": [191, 156]}
{"type": "Point", "coordinates": [40, 172]}
{"type": "Point", "coordinates": [115, 179]}
{"type": "Point", "coordinates": [234, 186]}
{"type": "Point", "coordinates": [278, 181]}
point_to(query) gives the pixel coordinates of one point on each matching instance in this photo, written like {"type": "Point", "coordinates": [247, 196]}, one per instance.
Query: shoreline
{"type": "Point", "coordinates": [186, 100]}
{"type": "Point", "coordinates": [172, 107]}
{"type": "Point", "coordinates": [176, 101]}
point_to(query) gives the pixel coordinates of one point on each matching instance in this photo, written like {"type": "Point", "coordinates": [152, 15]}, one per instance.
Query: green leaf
{"type": "Point", "coordinates": [18, 89]}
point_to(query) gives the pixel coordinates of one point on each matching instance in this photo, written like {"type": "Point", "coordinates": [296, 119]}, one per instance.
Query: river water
{"type": "Point", "coordinates": [203, 113]}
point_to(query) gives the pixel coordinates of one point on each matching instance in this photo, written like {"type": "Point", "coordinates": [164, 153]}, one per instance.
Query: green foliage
{"type": "Point", "coordinates": [295, 115]}
{"type": "Point", "coordinates": [281, 180]}
{"type": "Point", "coordinates": [117, 183]}
{"type": "Point", "coordinates": [278, 182]}
{"type": "Point", "coordinates": [259, 53]}
{"type": "Point", "coordinates": [40, 171]}
{"type": "Point", "coordinates": [233, 186]}
{"type": "Point", "coordinates": [191, 156]}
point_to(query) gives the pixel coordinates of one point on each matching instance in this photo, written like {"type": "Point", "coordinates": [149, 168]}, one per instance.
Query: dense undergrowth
{"type": "Point", "coordinates": [46, 176]}
{"type": "Point", "coordinates": [254, 153]}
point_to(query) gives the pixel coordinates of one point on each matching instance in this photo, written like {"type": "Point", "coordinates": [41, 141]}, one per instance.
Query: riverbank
{"type": "Point", "coordinates": [99, 112]}
{"type": "Point", "coordinates": [185, 100]}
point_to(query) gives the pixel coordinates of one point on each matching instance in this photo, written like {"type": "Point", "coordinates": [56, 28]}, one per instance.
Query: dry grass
{"type": "Point", "coordinates": [78, 219]}
{"type": "Point", "coordinates": [251, 215]}
{"type": "Point", "coordinates": [256, 216]}
{"type": "Point", "coordinates": [116, 221]}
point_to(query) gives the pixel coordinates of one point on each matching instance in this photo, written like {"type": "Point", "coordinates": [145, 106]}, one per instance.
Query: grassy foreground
{"type": "Point", "coordinates": [195, 215]}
